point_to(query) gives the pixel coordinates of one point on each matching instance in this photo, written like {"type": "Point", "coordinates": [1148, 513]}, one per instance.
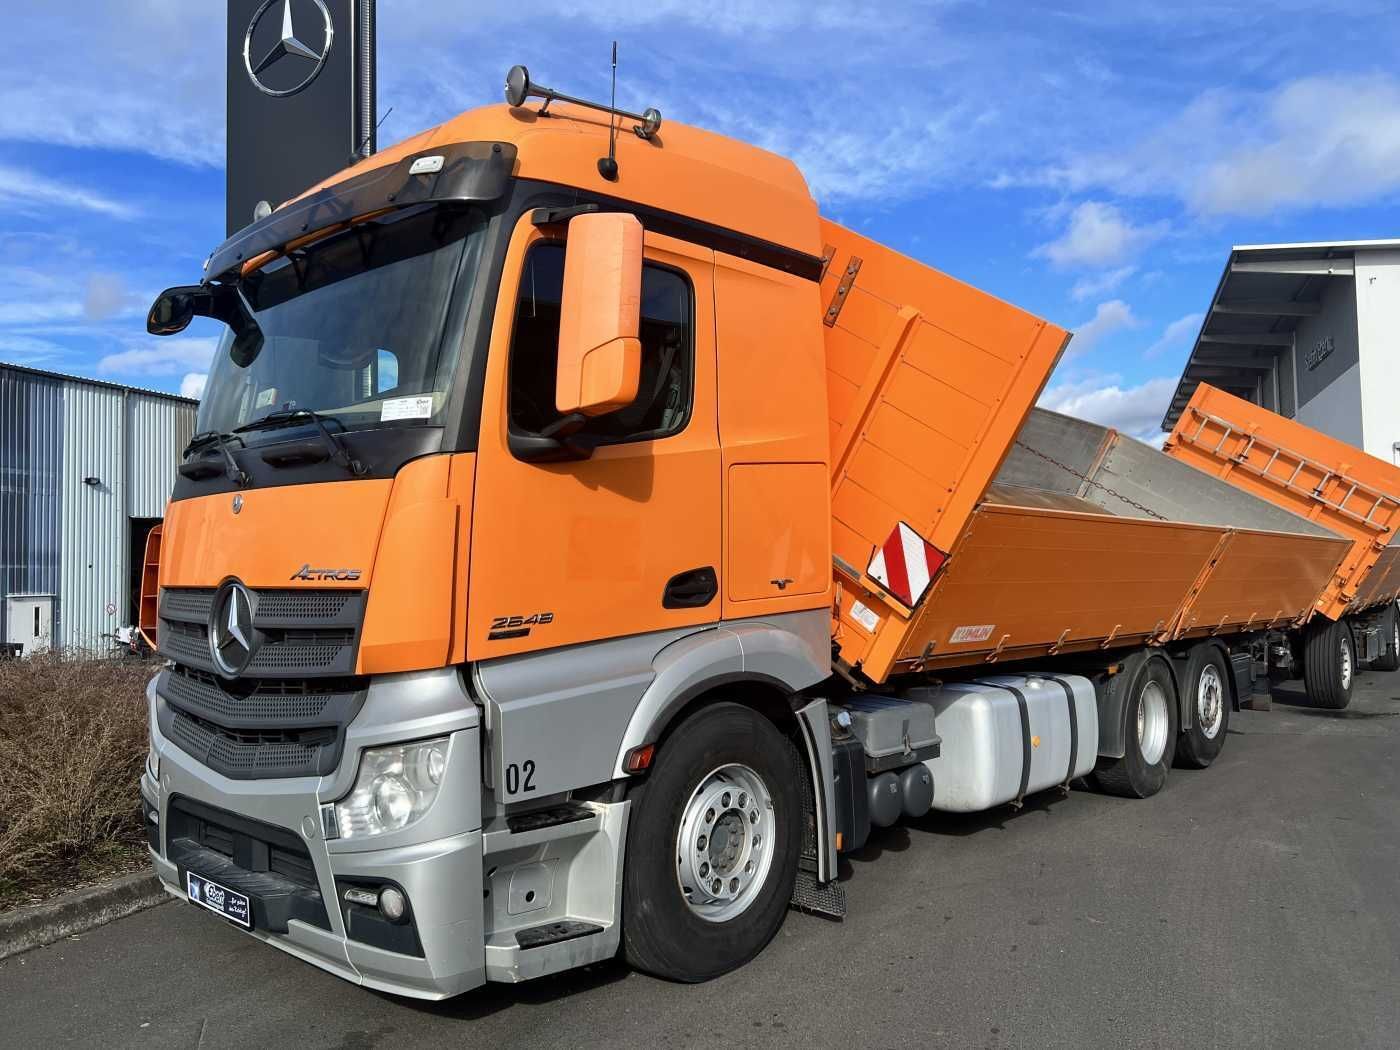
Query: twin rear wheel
{"type": "Point", "coordinates": [1207, 695]}
{"type": "Point", "coordinates": [712, 846]}
{"type": "Point", "coordinates": [1153, 736]}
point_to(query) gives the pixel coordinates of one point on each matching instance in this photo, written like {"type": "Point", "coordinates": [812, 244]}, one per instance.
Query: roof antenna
{"type": "Point", "coordinates": [360, 153]}
{"type": "Point", "coordinates": [607, 166]}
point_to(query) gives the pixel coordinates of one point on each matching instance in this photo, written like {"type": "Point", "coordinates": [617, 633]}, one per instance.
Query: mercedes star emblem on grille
{"type": "Point", "coordinates": [232, 639]}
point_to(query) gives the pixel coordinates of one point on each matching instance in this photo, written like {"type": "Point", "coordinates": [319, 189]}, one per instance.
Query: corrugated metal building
{"type": "Point", "coordinates": [85, 470]}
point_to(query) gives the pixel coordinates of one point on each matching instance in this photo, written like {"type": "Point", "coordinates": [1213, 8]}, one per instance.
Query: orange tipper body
{"type": "Point", "coordinates": [1317, 477]}
{"type": "Point", "coordinates": [498, 621]}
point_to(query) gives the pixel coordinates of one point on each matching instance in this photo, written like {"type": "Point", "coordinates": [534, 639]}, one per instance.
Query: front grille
{"type": "Point", "coordinates": [305, 606]}
{"type": "Point", "coordinates": [252, 755]}
{"type": "Point", "coordinates": [270, 702]}
{"type": "Point", "coordinates": [285, 716]}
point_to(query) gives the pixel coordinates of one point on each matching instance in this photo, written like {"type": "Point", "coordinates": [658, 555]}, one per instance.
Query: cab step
{"type": "Point", "coordinates": [554, 932]}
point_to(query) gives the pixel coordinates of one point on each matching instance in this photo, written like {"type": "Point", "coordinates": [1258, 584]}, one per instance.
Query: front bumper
{"type": "Point", "coordinates": [437, 861]}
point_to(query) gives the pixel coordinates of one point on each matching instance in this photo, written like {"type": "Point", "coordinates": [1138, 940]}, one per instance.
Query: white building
{"type": "Point", "coordinates": [1311, 331]}
{"type": "Point", "coordinates": [86, 469]}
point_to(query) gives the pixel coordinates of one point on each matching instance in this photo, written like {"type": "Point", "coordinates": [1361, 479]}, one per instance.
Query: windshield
{"type": "Point", "coordinates": [354, 326]}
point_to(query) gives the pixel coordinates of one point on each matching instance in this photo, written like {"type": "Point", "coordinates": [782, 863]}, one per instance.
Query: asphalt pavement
{"type": "Point", "coordinates": [1254, 904]}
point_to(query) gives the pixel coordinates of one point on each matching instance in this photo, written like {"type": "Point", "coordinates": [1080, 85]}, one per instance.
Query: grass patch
{"type": "Point", "coordinates": [73, 742]}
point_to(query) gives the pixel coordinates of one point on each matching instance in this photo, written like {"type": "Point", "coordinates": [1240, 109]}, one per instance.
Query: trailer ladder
{"type": "Point", "coordinates": [1286, 457]}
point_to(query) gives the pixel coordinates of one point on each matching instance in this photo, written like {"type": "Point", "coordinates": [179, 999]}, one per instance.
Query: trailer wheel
{"type": "Point", "coordinates": [712, 846]}
{"type": "Point", "coordinates": [1150, 737]}
{"type": "Point", "coordinates": [1208, 698]}
{"type": "Point", "coordinates": [1389, 660]}
{"type": "Point", "coordinates": [1329, 663]}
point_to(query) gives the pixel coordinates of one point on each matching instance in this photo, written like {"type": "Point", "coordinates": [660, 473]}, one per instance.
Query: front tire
{"type": "Point", "coordinates": [1329, 663]}
{"type": "Point", "coordinates": [712, 846]}
{"type": "Point", "coordinates": [1208, 697]}
{"type": "Point", "coordinates": [1149, 737]}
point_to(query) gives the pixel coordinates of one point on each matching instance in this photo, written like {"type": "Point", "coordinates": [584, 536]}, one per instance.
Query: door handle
{"type": "Point", "coordinates": [691, 589]}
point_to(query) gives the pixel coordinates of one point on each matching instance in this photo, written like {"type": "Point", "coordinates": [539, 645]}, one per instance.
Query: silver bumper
{"type": "Point", "coordinates": [437, 860]}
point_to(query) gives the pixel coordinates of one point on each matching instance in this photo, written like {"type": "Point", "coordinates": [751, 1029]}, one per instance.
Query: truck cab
{"type": "Point", "coordinates": [504, 470]}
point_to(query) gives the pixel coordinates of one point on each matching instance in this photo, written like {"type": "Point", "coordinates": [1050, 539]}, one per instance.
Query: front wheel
{"type": "Point", "coordinates": [1208, 697]}
{"type": "Point", "coordinates": [712, 846]}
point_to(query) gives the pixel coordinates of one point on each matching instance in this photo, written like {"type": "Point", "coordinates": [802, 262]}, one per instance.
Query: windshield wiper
{"type": "Point", "coordinates": [292, 416]}
{"type": "Point", "coordinates": [198, 469]}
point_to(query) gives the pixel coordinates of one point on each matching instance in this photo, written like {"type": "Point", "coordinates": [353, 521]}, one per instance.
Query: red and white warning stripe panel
{"type": "Point", "coordinates": [905, 564]}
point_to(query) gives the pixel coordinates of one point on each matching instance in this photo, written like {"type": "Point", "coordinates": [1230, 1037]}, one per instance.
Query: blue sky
{"type": "Point", "coordinates": [1090, 162]}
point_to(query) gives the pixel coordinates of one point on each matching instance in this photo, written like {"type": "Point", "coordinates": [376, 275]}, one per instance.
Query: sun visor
{"type": "Point", "coordinates": [460, 172]}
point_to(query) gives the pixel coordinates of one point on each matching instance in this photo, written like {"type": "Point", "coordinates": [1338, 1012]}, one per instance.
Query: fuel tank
{"type": "Point", "coordinates": [1009, 736]}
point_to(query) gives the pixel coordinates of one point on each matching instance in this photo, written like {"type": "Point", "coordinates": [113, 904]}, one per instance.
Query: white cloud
{"type": "Point", "coordinates": [167, 356]}
{"type": "Point", "coordinates": [1316, 141]}
{"type": "Point", "coordinates": [22, 190]}
{"type": "Point", "coordinates": [1112, 316]}
{"type": "Point", "coordinates": [1098, 234]}
{"type": "Point", "coordinates": [1176, 335]}
{"type": "Point", "coordinates": [192, 385]}
{"type": "Point", "coordinates": [1135, 410]}
{"type": "Point", "coordinates": [107, 295]}
{"type": "Point", "coordinates": [1100, 284]}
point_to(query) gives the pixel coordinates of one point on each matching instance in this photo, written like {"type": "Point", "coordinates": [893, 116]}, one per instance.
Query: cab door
{"type": "Point", "coordinates": [628, 540]}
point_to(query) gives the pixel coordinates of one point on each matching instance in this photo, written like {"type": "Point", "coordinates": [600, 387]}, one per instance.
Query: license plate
{"type": "Point", "coordinates": [219, 899]}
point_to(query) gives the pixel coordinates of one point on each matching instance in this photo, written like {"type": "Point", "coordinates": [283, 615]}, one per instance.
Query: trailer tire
{"type": "Point", "coordinates": [1329, 663]}
{"type": "Point", "coordinates": [1389, 660]}
{"type": "Point", "coordinates": [1149, 736]}
{"type": "Point", "coordinates": [1207, 697]}
{"type": "Point", "coordinates": [726, 777]}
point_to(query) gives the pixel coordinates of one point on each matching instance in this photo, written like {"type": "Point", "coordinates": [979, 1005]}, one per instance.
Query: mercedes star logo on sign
{"type": "Point", "coordinates": [232, 640]}
{"type": "Point", "coordinates": [287, 61]}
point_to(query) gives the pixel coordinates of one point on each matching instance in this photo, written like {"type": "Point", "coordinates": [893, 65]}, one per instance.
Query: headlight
{"type": "Point", "coordinates": [394, 787]}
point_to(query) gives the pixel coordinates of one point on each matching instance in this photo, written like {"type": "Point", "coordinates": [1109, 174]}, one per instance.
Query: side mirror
{"type": "Point", "coordinates": [600, 352]}
{"type": "Point", "coordinates": [174, 309]}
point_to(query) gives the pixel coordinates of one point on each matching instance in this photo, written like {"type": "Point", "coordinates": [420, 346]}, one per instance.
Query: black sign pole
{"type": "Point", "coordinates": [301, 97]}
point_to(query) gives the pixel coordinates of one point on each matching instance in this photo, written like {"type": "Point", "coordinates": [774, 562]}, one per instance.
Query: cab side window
{"type": "Point", "coordinates": [663, 399]}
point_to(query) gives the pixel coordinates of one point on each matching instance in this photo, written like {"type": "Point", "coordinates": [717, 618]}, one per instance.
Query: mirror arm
{"type": "Point", "coordinates": [561, 441]}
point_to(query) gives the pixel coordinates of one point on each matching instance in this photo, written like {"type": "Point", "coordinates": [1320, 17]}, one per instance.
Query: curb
{"type": "Point", "coordinates": [78, 912]}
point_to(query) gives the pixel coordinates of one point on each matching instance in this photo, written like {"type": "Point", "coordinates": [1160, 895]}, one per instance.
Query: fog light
{"type": "Point", "coordinates": [392, 903]}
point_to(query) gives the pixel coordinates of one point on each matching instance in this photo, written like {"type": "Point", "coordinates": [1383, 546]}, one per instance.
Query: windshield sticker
{"type": "Point", "coordinates": [406, 408]}
{"type": "Point", "coordinates": [266, 397]}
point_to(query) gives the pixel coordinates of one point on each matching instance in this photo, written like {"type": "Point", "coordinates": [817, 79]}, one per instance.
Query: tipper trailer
{"type": "Point", "coordinates": [585, 542]}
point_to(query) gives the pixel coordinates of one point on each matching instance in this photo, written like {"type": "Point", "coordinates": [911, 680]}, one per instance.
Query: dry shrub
{"type": "Point", "coordinates": [73, 742]}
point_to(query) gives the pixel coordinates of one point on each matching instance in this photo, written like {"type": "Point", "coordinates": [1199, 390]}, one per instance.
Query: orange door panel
{"type": "Point", "coordinates": [577, 551]}
{"type": "Point", "coordinates": [773, 428]}
{"type": "Point", "coordinates": [777, 535]}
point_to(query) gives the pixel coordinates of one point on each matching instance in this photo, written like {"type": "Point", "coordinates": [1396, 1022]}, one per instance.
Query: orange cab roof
{"type": "Point", "coordinates": [681, 169]}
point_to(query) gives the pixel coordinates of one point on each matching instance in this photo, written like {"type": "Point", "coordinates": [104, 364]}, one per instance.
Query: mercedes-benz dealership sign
{"type": "Point", "coordinates": [300, 96]}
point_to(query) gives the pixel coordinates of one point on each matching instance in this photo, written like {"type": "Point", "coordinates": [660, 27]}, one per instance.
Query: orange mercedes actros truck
{"type": "Point", "coordinates": [585, 542]}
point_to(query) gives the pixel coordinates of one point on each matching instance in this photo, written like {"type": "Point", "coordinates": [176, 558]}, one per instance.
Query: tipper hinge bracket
{"type": "Point", "coordinates": [843, 291]}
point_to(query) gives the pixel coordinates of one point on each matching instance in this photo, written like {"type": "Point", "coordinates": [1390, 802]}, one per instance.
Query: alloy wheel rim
{"type": "Point", "coordinates": [725, 844]}
{"type": "Point", "coordinates": [1210, 701]}
{"type": "Point", "coordinates": [1152, 723]}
